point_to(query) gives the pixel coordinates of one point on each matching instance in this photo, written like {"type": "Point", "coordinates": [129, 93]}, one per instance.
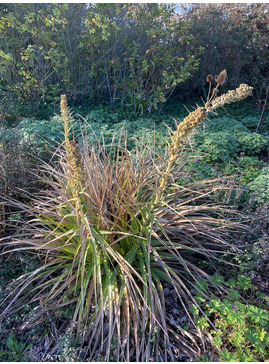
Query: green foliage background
{"type": "Point", "coordinates": [120, 54]}
{"type": "Point", "coordinates": [130, 55]}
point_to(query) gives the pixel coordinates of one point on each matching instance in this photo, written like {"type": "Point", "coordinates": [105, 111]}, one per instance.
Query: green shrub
{"type": "Point", "coordinates": [15, 163]}
{"type": "Point", "coordinates": [227, 33]}
{"type": "Point", "coordinates": [114, 54]}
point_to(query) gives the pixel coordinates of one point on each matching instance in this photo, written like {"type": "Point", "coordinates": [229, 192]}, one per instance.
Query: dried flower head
{"type": "Point", "coordinates": [221, 78]}
{"type": "Point", "coordinates": [209, 78]}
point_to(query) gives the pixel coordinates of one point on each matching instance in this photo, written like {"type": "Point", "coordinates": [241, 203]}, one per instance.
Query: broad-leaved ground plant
{"type": "Point", "coordinates": [241, 326]}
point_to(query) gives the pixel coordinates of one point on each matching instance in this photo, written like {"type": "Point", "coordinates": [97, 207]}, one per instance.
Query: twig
{"type": "Point", "coordinates": [264, 106]}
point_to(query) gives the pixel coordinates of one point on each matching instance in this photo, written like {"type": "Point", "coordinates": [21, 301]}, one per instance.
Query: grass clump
{"type": "Point", "coordinates": [111, 229]}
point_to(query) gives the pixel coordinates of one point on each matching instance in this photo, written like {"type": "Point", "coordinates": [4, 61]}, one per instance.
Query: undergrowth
{"type": "Point", "coordinates": [241, 326]}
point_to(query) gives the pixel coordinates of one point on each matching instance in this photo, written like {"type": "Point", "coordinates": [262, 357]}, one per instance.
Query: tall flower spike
{"type": "Point", "coordinates": [66, 119]}
{"type": "Point", "coordinates": [242, 92]}
{"type": "Point", "coordinates": [72, 151]}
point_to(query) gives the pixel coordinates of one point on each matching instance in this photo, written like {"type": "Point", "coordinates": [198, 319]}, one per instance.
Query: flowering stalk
{"type": "Point", "coordinates": [192, 121]}
{"type": "Point", "coordinates": [242, 92]}
{"type": "Point", "coordinates": [72, 152]}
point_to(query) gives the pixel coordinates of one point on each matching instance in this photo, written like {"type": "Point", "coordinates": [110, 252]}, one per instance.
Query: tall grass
{"type": "Point", "coordinates": [112, 229]}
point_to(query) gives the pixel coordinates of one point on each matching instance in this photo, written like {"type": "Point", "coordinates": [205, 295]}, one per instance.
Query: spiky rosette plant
{"type": "Point", "coordinates": [111, 231]}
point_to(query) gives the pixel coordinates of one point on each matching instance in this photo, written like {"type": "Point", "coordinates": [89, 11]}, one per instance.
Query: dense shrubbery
{"type": "Point", "coordinates": [130, 54]}
{"type": "Point", "coordinates": [121, 53]}
{"type": "Point", "coordinates": [16, 162]}
{"type": "Point", "coordinates": [234, 36]}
